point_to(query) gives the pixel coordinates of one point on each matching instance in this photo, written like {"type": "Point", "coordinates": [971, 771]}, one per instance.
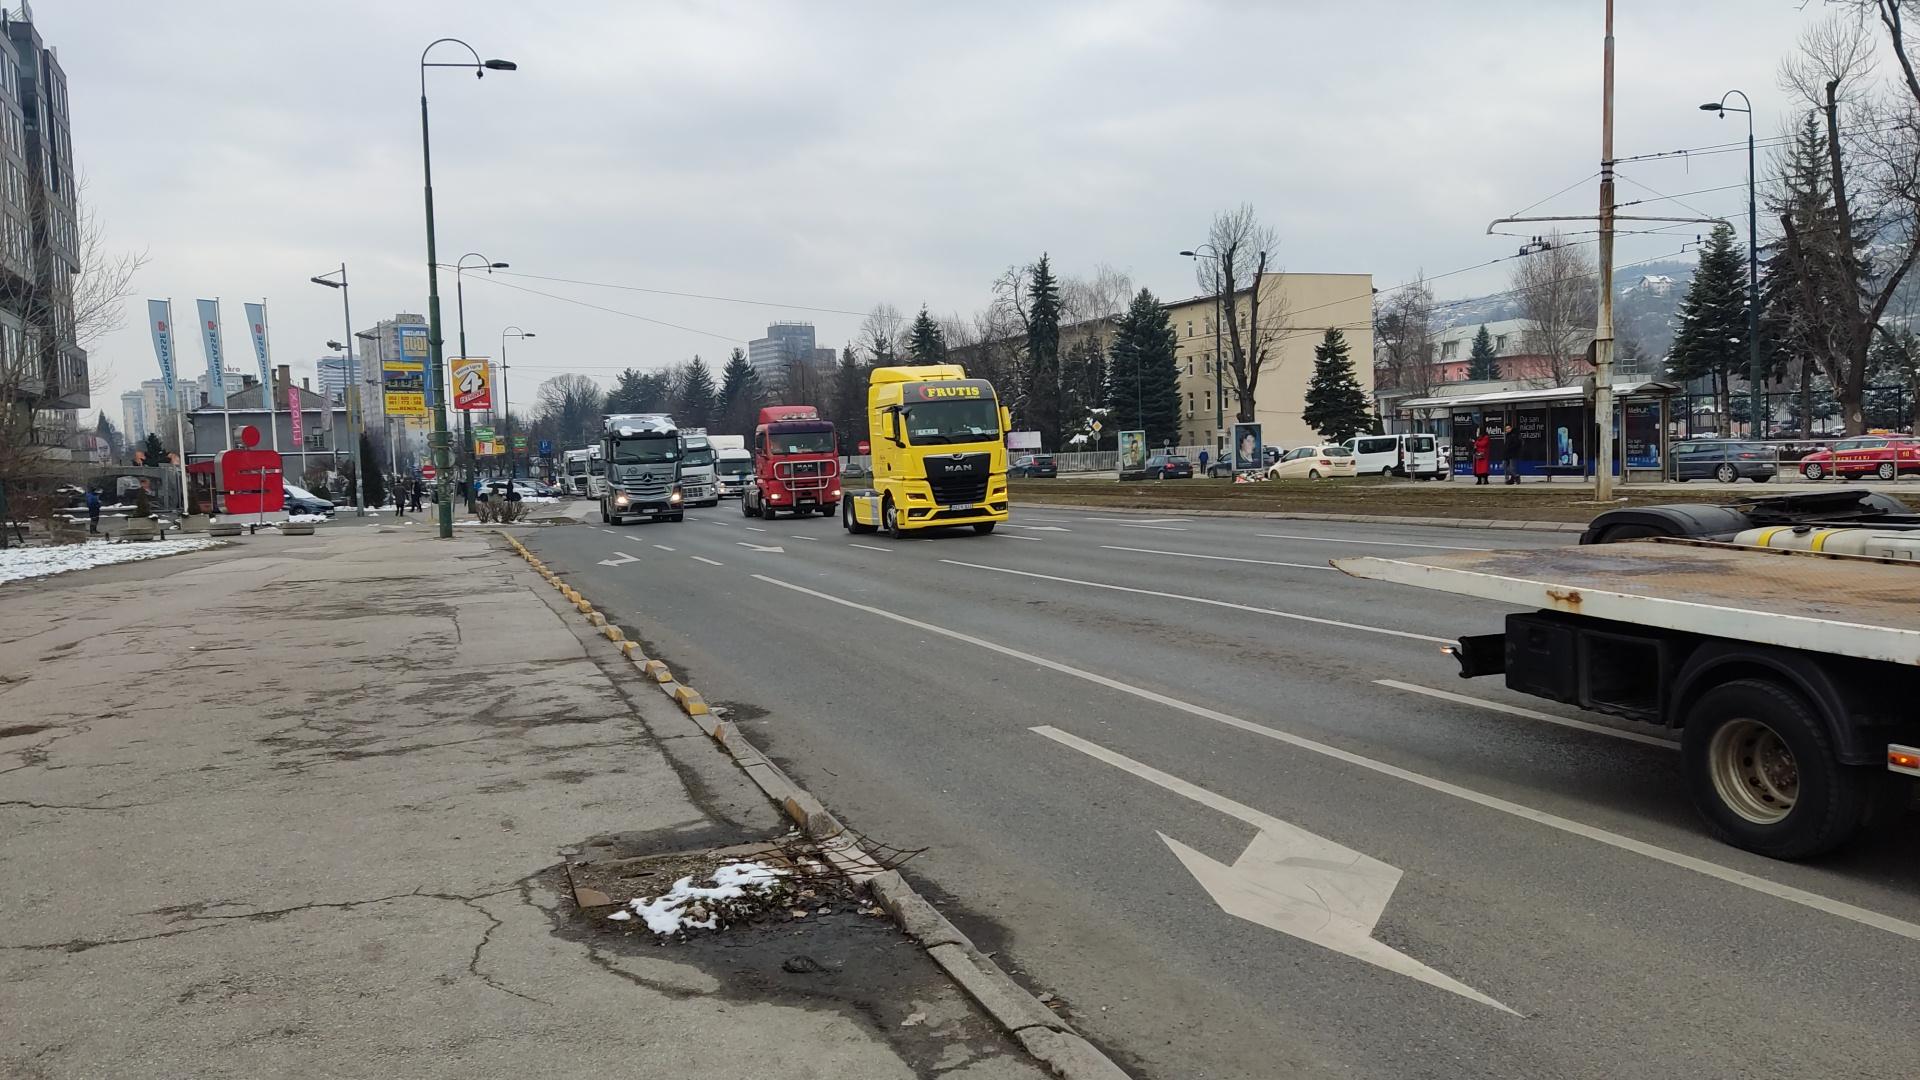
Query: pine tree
{"type": "Point", "coordinates": [628, 394]}
{"type": "Point", "coordinates": [154, 453]}
{"type": "Point", "coordinates": [696, 396]}
{"type": "Point", "coordinates": [1482, 364]}
{"type": "Point", "coordinates": [1795, 323]}
{"type": "Point", "coordinates": [373, 487]}
{"type": "Point", "coordinates": [926, 344]}
{"type": "Point", "coordinates": [740, 396]}
{"type": "Point", "coordinates": [1712, 340]}
{"type": "Point", "coordinates": [1143, 383]}
{"type": "Point", "coordinates": [1336, 405]}
{"type": "Point", "coordinates": [1043, 355]}
{"type": "Point", "coordinates": [850, 400]}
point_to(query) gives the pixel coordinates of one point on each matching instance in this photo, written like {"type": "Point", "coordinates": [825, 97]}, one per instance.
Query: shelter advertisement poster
{"type": "Point", "coordinates": [1246, 448]}
{"type": "Point", "coordinates": [1133, 452]}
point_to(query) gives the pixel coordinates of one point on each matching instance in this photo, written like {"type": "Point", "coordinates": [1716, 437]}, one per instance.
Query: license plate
{"type": "Point", "coordinates": [961, 506]}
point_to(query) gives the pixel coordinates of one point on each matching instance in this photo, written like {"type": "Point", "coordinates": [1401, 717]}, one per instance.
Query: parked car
{"type": "Point", "coordinates": [1169, 467]}
{"type": "Point", "coordinates": [1407, 455]}
{"type": "Point", "coordinates": [1223, 466]}
{"type": "Point", "coordinates": [1313, 463]}
{"type": "Point", "coordinates": [1040, 465]}
{"type": "Point", "coordinates": [1882, 456]}
{"type": "Point", "coordinates": [301, 501]}
{"type": "Point", "coordinates": [1727, 461]}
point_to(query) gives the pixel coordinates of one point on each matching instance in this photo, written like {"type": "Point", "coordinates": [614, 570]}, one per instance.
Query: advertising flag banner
{"type": "Point", "coordinates": [472, 383]}
{"type": "Point", "coordinates": [257, 324]}
{"type": "Point", "coordinates": [210, 342]}
{"type": "Point", "coordinates": [160, 321]}
{"type": "Point", "coordinates": [293, 417]}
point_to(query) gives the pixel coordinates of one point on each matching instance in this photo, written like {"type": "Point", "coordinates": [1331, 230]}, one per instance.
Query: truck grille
{"type": "Point", "coordinates": [640, 489]}
{"type": "Point", "coordinates": [959, 478]}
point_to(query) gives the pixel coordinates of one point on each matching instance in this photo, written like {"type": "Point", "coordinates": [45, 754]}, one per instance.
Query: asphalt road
{"type": "Point", "coordinates": [1203, 685]}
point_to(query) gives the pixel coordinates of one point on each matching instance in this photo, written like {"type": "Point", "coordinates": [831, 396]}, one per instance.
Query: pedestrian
{"type": "Point", "coordinates": [419, 492]}
{"type": "Point", "coordinates": [1510, 447]}
{"type": "Point", "coordinates": [93, 510]}
{"type": "Point", "coordinates": [394, 484]}
{"type": "Point", "coordinates": [1203, 462]}
{"type": "Point", "coordinates": [1482, 457]}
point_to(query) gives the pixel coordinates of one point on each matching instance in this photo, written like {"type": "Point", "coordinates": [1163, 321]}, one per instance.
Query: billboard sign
{"type": "Point", "coordinates": [414, 350]}
{"type": "Point", "coordinates": [1133, 453]}
{"type": "Point", "coordinates": [472, 383]}
{"type": "Point", "coordinates": [404, 385]}
{"type": "Point", "coordinates": [1246, 448]}
{"type": "Point", "coordinates": [1022, 440]}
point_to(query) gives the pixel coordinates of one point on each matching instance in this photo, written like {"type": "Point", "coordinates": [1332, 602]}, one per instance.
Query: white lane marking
{"type": "Point", "coordinates": [620, 558]}
{"type": "Point", "coordinates": [663, 547]}
{"type": "Point", "coordinates": [1288, 879]}
{"type": "Point", "coordinates": [1515, 710]}
{"type": "Point", "coordinates": [1034, 528]}
{"type": "Point", "coordinates": [869, 547]}
{"type": "Point", "coordinates": [1142, 521]}
{"type": "Point", "coordinates": [775, 548]}
{"type": "Point", "coordinates": [704, 559]}
{"type": "Point", "coordinates": [1161, 528]}
{"type": "Point", "coordinates": [722, 524]}
{"type": "Point", "coordinates": [1010, 536]}
{"type": "Point", "coordinates": [1220, 558]}
{"type": "Point", "coordinates": [797, 536]}
{"type": "Point", "coordinates": [754, 528]}
{"type": "Point", "coordinates": [1212, 603]}
{"type": "Point", "coordinates": [1373, 543]}
{"type": "Point", "coordinates": [1060, 521]}
{"type": "Point", "coordinates": [1837, 908]}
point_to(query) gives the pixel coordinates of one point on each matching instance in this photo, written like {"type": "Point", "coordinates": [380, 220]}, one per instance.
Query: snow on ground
{"type": "Point", "coordinates": [306, 519]}
{"type": "Point", "coordinates": [687, 906]}
{"type": "Point", "coordinates": [17, 564]}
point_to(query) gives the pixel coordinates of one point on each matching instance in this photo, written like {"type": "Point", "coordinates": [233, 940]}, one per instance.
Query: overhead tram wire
{"type": "Point", "coordinates": [683, 295]}
{"type": "Point", "coordinates": [729, 338]}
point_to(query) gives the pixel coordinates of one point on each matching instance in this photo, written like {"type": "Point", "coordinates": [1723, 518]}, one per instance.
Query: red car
{"type": "Point", "coordinates": [1882, 456]}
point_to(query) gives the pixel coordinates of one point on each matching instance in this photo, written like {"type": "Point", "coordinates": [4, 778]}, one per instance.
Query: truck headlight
{"type": "Point", "coordinates": [620, 499]}
{"type": "Point", "coordinates": [675, 497]}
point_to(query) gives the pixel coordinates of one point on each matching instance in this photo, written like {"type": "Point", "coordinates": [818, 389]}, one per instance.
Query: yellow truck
{"type": "Point", "coordinates": [939, 449]}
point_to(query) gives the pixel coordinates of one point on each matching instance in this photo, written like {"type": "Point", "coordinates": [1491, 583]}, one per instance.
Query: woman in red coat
{"type": "Point", "coordinates": [1482, 456]}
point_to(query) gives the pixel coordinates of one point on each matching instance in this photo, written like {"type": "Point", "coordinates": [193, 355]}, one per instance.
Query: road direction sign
{"type": "Point", "coordinates": [620, 558]}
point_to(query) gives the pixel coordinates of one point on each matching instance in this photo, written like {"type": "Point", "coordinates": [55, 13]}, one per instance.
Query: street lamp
{"type": "Point", "coordinates": [460, 309]}
{"type": "Point", "coordinates": [441, 459]}
{"type": "Point", "coordinates": [506, 413]}
{"type": "Point", "coordinates": [1756, 398]}
{"type": "Point", "coordinates": [373, 386]}
{"type": "Point", "coordinates": [353, 379]}
{"type": "Point", "coordinates": [1219, 391]}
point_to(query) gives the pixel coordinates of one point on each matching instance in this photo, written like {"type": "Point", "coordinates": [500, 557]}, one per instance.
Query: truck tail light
{"type": "Point", "coordinates": [1903, 759]}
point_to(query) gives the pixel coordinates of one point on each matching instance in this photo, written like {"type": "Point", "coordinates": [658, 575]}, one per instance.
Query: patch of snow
{"type": "Point", "coordinates": [305, 519]}
{"type": "Point", "coordinates": [18, 564]}
{"type": "Point", "coordinates": [671, 912]}
{"type": "Point", "coordinates": [621, 916]}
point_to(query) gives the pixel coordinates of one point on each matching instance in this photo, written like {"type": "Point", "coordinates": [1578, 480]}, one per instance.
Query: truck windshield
{"type": "Point", "coordinates": [736, 467]}
{"type": "Point", "coordinates": [576, 467]}
{"type": "Point", "coordinates": [597, 466]}
{"type": "Point", "coordinates": [951, 422]}
{"type": "Point", "coordinates": [645, 451]}
{"type": "Point", "coordinates": [697, 457]}
{"type": "Point", "coordinates": [800, 442]}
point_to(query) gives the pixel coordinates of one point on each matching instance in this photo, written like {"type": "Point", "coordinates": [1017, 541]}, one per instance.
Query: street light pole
{"type": "Point", "coordinates": [1756, 423]}
{"type": "Point", "coordinates": [1219, 386]}
{"type": "Point", "coordinates": [506, 412]}
{"type": "Point", "coordinates": [353, 383]}
{"type": "Point", "coordinates": [441, 459]}
{"type": "Point", "coordinates": [460, 314]}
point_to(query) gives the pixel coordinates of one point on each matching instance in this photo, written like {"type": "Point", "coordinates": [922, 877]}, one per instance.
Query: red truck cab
{"type": "Point", "coordinates": [796, 466]}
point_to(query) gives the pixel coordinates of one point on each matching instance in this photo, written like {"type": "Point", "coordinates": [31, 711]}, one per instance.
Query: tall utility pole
{"type": "Point", "coordinates": [354, 419]}
{"type": "Point", "coordinates": [460, 318]}
{"type": "Point", "coordinates": [1756, 411]}
{"type": "Point", "coordinates": [506, 412]}
{"type": "Point", "coordinates": [1219, 301]}
{"type": "Point", "coordinates": [1603, 327]}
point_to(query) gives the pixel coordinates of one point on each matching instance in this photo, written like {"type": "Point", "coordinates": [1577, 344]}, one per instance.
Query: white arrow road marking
{"type": "Point", "coordinates": [1289, 879]}
{"type": "Point", "coordinates": [1531, 714]}
{"type": "Point", "coordinates": [620, 558]}
{"type": "Point", "coordinates": [1839, 909]}
{"type": "Point", "coordinates": [1219, 558]}
{"type": "Point", "coordinates": [775, 548]}
{"type": "Point", "coordinates": [704, 559]}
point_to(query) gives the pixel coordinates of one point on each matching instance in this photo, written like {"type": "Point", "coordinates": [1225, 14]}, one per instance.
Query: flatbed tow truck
{"type": "Point", "coordinates": [1792, 672]}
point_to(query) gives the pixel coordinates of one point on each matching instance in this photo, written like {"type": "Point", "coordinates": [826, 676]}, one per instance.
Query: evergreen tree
{"type": "Point", "coordinates": [629, 393]}
{"type": "Point", "coordinates": [696, 396]}
{"type": "Point", "coordinates": [1083, 382]}
{"type": "Point", "coordinates": [1712, 340]}
{"type": "Point", "coordinates": [1043, 355]}
{"type": "Point", "coordinates": [155, 454]}
{"type": "Point", "coordinates": [926, 344]}
{"type": "Point", "coordinates": [740, 396]}
{"type": "Point", "coordinates": [1795, 323]}
{"type": "Point", "coordinates": [850, 401]}
{"type": "Point", "coordinates": [1482, 364]}
{"type": "Point", "coordinates": [1336, 405]}
{"type": "Point", "coordinates": [1143, 382]}
{"type": "Point", "coordinates": [373, 487]}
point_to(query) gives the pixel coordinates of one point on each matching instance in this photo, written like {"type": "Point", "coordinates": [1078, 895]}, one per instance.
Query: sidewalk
{"type": "Point", "coordinates": [297, 807]}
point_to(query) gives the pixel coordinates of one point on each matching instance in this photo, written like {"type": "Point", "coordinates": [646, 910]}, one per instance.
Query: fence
{"type": "Point", "coordinates": [1698, 415]}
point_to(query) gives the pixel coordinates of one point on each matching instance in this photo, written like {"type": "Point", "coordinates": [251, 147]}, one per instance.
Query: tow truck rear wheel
{"type": "Point", "coordinates": [1762, 772]}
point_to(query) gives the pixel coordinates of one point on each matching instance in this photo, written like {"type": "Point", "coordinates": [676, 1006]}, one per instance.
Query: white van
{"type": "Point", "coordinates": [1416, 456]}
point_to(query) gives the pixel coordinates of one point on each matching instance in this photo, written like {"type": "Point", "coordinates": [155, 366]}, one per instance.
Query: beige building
{"type": "Point", "coordinates": [1295, 312]}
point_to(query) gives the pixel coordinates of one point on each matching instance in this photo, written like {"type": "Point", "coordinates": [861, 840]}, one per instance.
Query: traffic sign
{"type": "Point", "coordinates": [864, 447]}
{"type": "Point", "coordinates": [519, 442]}
{"type": "Point", "coordinates": [546, 447]}
{"type": "Point", "coordinates": [428, 472]}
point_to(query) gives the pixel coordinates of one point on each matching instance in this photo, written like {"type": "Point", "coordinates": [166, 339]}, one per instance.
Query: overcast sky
{"type": "Point", "coordinates": [833, 156]}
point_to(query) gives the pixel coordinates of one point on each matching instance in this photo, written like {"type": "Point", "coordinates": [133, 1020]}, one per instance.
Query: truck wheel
{"type": "Point", "coordinates": [827, 510]}
{"type": "Point", "coordinates": [768, 512]}
{"type": "Point", "coordinates": [1761, 770]}
{"type": "Point", "coordinates": [682, 516]}
{"type": "Point", "coordinates": [984, 527]}
{"type": "Point", "coordinates": [850, 522]}
{"type": "Point", "coordinates": [890, 521]}
{"type": "Point", "coordinates": [615, 521]}
{"type": "Point", "coordinates": [604, 520]}
{"type": "Point", "coordinates": [746, 506]}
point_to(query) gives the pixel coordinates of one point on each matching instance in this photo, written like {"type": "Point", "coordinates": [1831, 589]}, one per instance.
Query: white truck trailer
{"type": "Point", "coordinates": [1793, 676]}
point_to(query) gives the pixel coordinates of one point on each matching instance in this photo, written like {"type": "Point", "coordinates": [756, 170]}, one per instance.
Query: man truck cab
{"type": "Point", "coordinates": [697, 480]}
{"type": "Point", "coordinates": [796, 466]}
{"type": "Point", "coordinates": [939, 453]}
{"type": "Point", "coordinates": [642, 470]}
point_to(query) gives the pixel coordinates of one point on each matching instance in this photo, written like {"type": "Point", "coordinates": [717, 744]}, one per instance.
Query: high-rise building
{"type": "Point", "coordinates": [133, 416]}
{"type": "Point", "coordinates": [39, 227]}
{"type": "Point", "coordinates": [332, 371]}
{"type": "Point", "coordinates": [786, 344]}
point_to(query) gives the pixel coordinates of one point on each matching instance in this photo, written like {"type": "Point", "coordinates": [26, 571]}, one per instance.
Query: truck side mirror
{"type": "Point", "coordinates": [1006, 419]}
{"type": "Point", "coordinates": [893, 427]}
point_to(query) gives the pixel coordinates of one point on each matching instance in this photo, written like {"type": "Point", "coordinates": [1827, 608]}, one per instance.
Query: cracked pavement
{"type": "Point", "coordinates": [288, 808]}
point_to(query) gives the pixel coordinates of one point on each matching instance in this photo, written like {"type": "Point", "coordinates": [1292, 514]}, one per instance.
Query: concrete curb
{"type": "Point", "coordinates": [1044, 1034]}
{"type": "Point", "coordinates": [1364, 519]}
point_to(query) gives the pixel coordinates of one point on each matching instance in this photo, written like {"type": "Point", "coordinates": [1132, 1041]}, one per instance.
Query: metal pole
{"type": "Point", "coordinates": [1603, 328]}
{"type": "Point", "coordinates": [506, 413]}
{"type": "Point", "coordinates": [441, 459]}
{"type": "Point", "coordinates": [179, 420]}
{"type": "Point", "coordinates": [1219, 387]}
{"type": "Point", "coordinates": [355, 422]}
{"type": "Point", "coordinates": [466, 415]}
{"type": "Point", "coordinates": [1758, 422]}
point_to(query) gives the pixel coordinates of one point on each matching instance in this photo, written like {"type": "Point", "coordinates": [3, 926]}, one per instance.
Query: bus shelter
{"type": "Point", "coordinates": [1555, 426]}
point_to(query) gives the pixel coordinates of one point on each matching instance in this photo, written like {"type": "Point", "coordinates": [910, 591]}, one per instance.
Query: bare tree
{"type": "Point", "coordinates": [1107, 293]}
{"type": "Point", "coordinates": [1403, 332]}
{"type": "Point", "coordinates": [1242, 255]}
{"type": "Point", "coordinates": [571, 406]}
{"type": "Point", "coordinates": [880, 334]}
{"type": "Point", "coordinates": [105, 280]}
{"type": "Point", "coordinates": [1556, 293]}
